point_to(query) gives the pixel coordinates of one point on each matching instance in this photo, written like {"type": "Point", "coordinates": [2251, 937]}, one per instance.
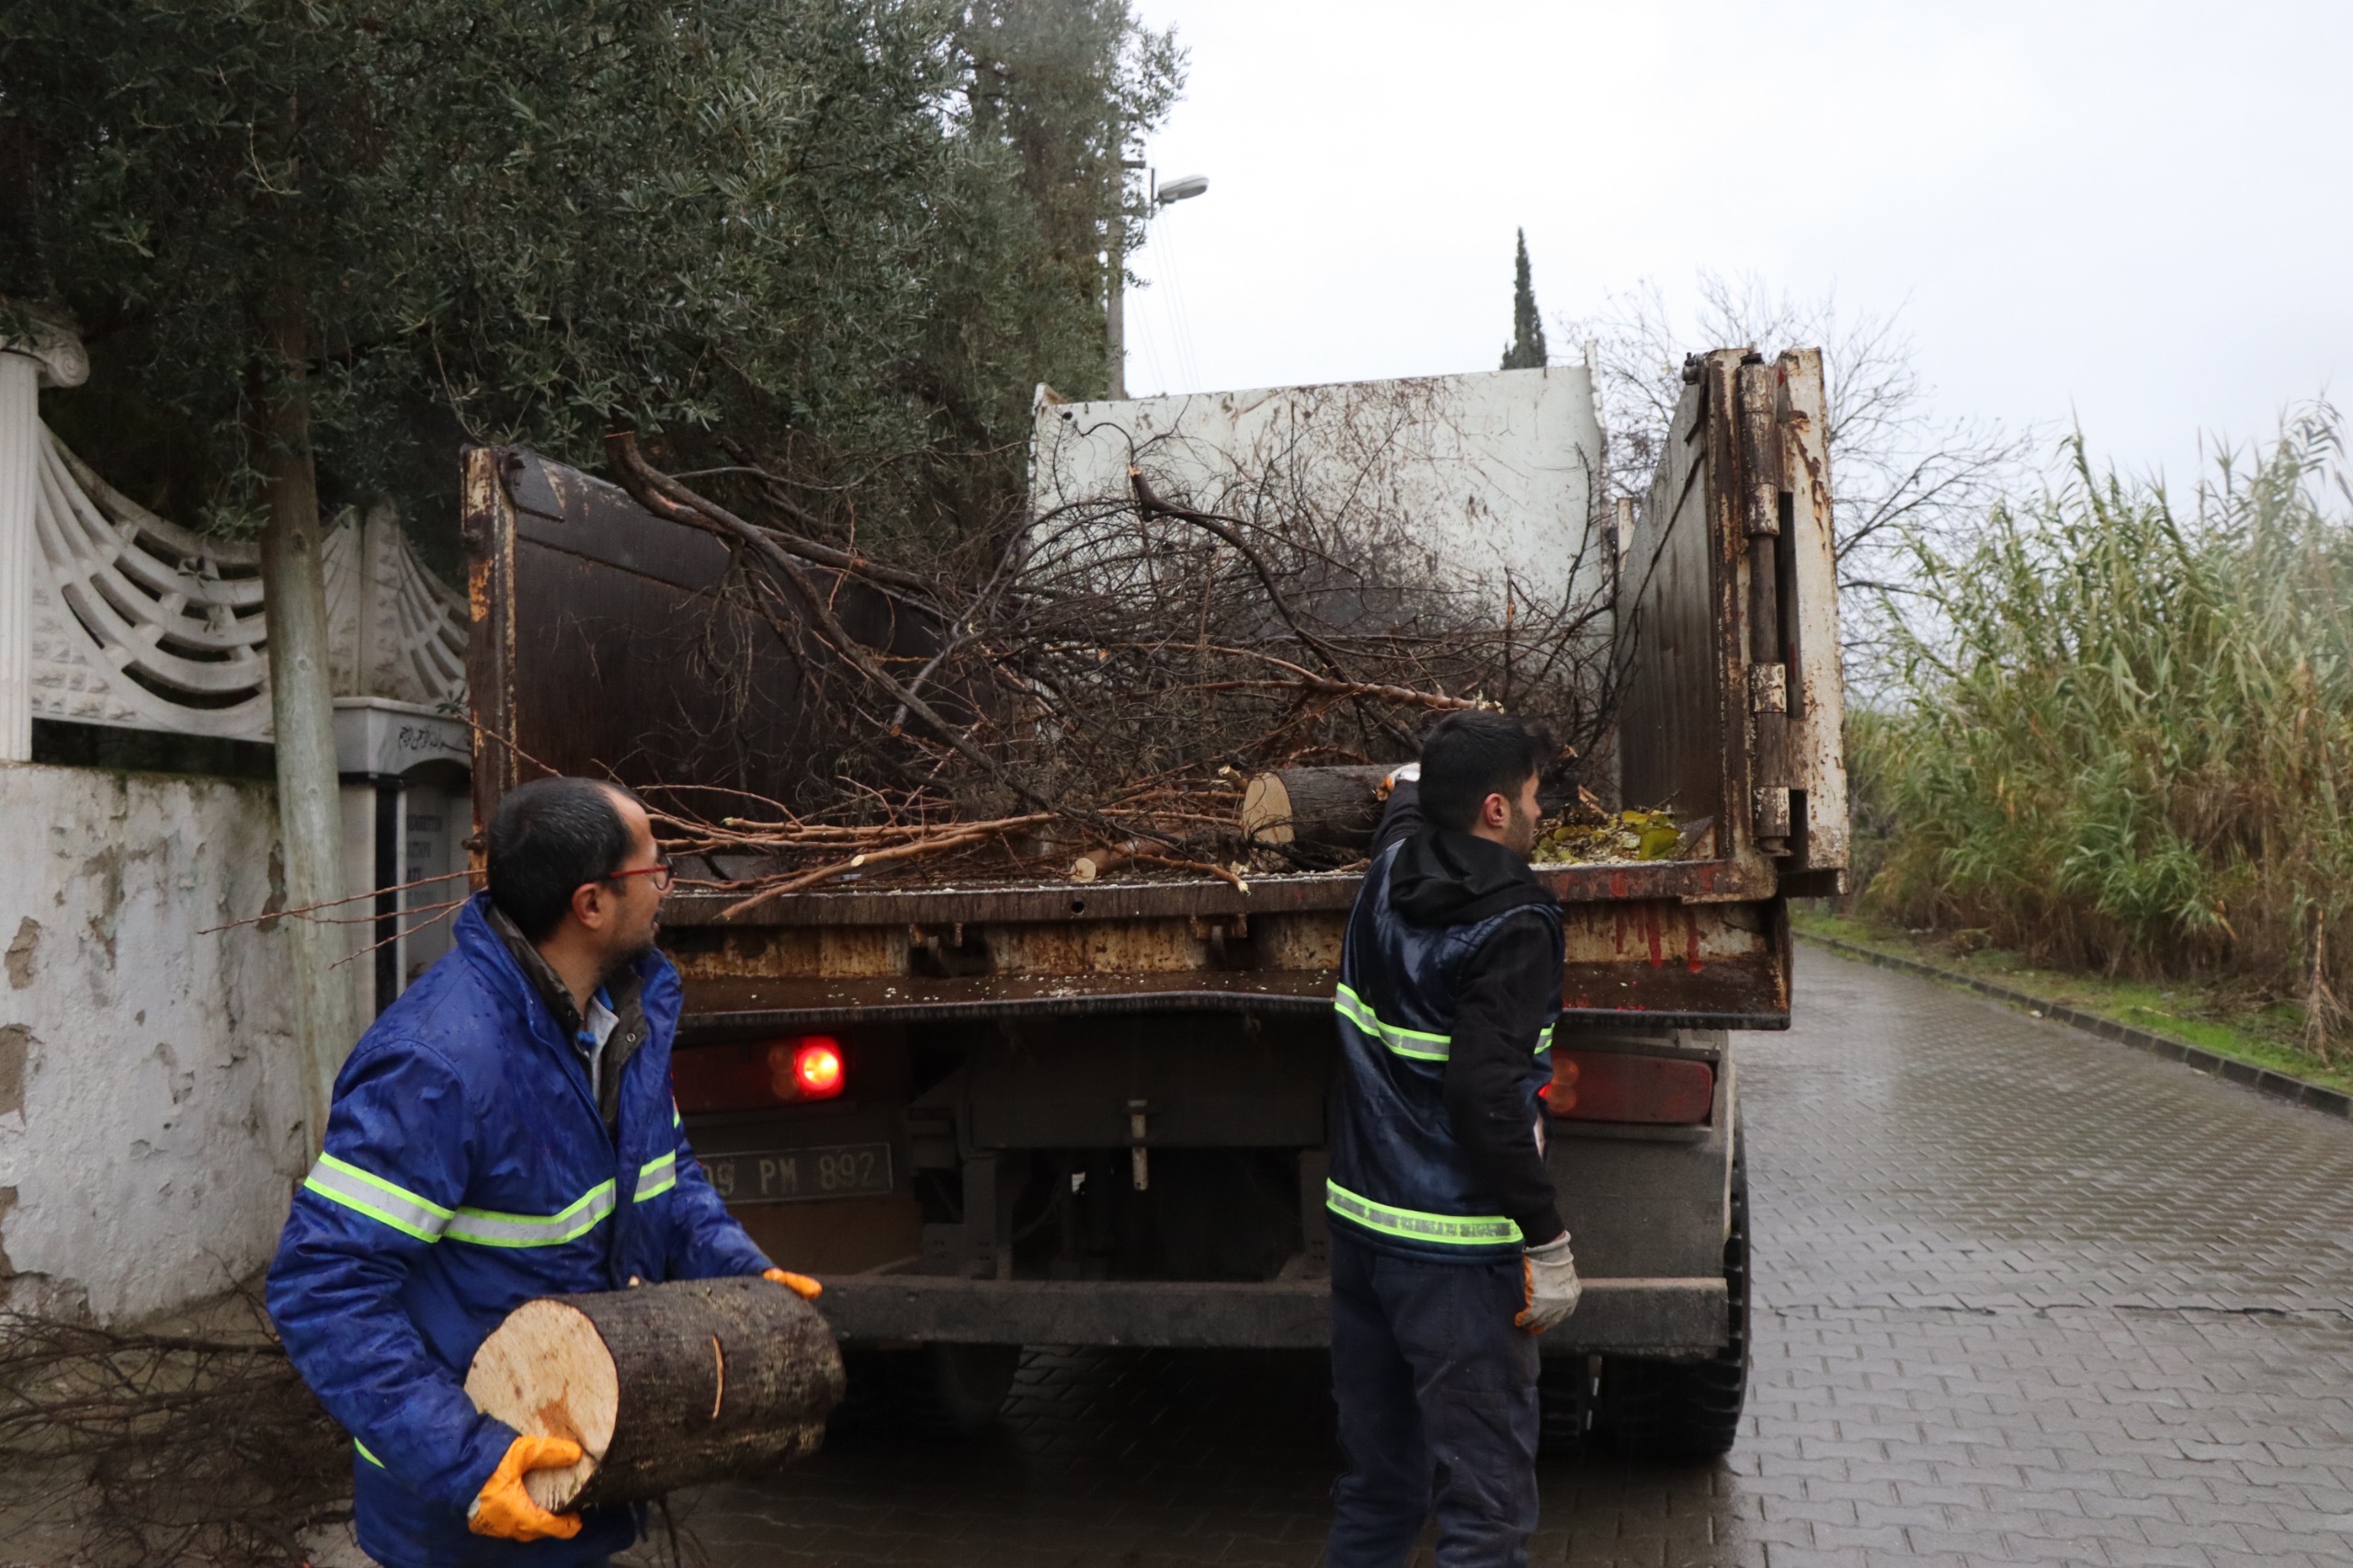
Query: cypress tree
{"type": "Point", "coordinates": [1526, 350]}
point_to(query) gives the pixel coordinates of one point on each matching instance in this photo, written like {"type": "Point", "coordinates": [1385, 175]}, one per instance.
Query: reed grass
{"type": "Point", "coordinates": [2122, 739]}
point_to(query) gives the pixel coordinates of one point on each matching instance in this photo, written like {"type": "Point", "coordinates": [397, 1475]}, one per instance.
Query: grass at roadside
{"type": "Point", "coordinates": [2222, 1019]}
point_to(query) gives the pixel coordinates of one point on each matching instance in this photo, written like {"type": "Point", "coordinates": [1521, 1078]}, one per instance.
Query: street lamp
{"type": "Point", "coordinates": [1116, 306]}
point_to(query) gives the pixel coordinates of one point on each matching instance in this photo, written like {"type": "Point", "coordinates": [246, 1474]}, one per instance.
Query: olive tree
{"type": "Point", "coordinates": [317, 242]}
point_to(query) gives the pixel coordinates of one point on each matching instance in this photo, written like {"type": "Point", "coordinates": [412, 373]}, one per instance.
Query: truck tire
{"type": "Point", "coordinates": [1687, 1411]}
{"type": "Point", "coordinates": [969, 1383]}
{"type": "Point", "coordinates": [938, 1389]}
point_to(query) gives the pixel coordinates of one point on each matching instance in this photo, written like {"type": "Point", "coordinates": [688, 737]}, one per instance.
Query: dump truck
{"type": "Point", "coordinates": [1008, 1112]}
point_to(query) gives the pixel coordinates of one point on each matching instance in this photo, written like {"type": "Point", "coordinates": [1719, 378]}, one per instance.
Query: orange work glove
{"type": "Point", "coordinates": [504, 1509]}
{"type": "Point", "coordinates": [801, 1284]}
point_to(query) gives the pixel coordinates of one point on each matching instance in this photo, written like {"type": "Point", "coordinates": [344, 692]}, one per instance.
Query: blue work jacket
{"type": "Point", "coordinates": [1399, 1179]}
{"type": "Point", "coordinates": [467, 1170]}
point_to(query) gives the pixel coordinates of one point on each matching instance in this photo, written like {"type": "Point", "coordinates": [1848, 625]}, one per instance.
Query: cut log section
{"type": "Point", "coordinates": [1330, 809]}
{"type": "Point", "coordinates": [662, 1387]}
{"type": "Point", "coordinates": [1095, 862]}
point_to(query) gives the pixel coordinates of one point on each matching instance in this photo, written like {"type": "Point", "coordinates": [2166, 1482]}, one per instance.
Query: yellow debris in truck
{"type": "Point", "coordinates": [1629, 836]}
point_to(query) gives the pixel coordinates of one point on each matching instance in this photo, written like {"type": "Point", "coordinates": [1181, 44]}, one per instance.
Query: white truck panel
{"type": "Point", "coordinates": [1489, 476]}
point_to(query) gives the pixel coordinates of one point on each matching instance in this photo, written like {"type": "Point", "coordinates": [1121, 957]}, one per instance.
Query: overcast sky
{"type": "Point", "coordinates": [2132, 215]}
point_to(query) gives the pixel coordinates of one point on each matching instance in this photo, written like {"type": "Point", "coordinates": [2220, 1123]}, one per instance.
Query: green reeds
{"type": "Point", "coordinates": [2123, 740]}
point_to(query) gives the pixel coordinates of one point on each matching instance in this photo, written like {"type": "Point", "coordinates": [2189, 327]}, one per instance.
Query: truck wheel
{"type": "Point", "coordinates": [938, 1389]}
{"type": "Point", "coordinates": [1688, 1412]}
{"type": "Point", "coordinates": [969, 1383]}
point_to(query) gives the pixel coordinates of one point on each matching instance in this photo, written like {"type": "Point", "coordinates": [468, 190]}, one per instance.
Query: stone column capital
{"type": "Point", "coordinates": [45, 340]}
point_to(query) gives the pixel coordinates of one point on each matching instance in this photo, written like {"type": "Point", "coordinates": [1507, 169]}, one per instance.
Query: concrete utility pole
{"type": "Point", "coordinates": [1115, 307]}
{"type": "Point", "coordinates": [1115, 323]}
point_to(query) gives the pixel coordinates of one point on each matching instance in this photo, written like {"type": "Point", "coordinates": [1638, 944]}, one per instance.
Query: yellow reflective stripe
{"type": "Point", "coordinates": [1416, 1043]}
{"type": "Point", "coordinates": [657, 1175]}
{"type": "Point", "coordinates": [677, 1120]}
{"type": "Point", "coordinates": [341, 1182]}
{"type": "Point", "coordinates": [1411, 1224]}
{"type": "Point", "coordinates": [364, 1454]}
{"type": "Point", "coordinates": [363, 1192]}
{"type": "Point", "coordinates": [487, 1228]}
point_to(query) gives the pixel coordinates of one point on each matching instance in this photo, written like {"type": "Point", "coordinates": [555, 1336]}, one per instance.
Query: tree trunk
{"type": "Point", "coordinates": [1326, 809]}
{"type": "Point", "coordinates": [663, 1386]}
{"type": "Point", "coordinates": [310, 816]}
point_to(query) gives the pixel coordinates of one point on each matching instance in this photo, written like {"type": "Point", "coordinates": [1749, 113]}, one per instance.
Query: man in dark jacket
{"type": "Point", "coordinates": [1448, 1252]}
{"type": "Point", "coordinates": [505, 1130]}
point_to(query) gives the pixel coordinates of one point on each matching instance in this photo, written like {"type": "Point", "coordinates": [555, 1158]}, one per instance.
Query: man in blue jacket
{"type": "Point", "coordinates": [505, 1130]}
{"type": "Point", "coordinates": [1447, 1251]}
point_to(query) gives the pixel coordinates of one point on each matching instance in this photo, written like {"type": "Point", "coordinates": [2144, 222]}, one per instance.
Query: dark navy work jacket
{"type": "Point", "coordinates": [1399, 1179]}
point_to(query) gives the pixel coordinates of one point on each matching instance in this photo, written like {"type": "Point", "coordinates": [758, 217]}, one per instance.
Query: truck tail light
{"type": "Point", "coordinates": [817, 1068]}
{"type": "Point", "coordinates": [1610, 1085]}
{"type": "Point", "coordinates": [791, 1071]}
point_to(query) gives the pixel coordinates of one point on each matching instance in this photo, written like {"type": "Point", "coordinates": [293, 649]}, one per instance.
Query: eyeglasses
{"type": "Point", "coordinates": [662, 871]}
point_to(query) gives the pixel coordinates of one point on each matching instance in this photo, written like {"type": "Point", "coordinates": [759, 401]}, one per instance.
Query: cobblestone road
{"type": "Point", "coordinates": [2023, 1296]}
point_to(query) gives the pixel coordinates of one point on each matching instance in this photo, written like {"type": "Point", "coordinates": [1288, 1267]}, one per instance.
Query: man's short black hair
{"type": "Point", "coordinates": [1467, 756]}
{"type": "Point", "coordinates": [547, 839]}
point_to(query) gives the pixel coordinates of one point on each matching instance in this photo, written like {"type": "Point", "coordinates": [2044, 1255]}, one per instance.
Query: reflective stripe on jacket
{"type": "Point", "coordinates": [1398, 1178]}
{"type": "Point", "coordinates": [466, 1171]}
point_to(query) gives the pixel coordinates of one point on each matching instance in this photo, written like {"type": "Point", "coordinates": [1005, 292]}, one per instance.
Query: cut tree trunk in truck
{"type": "Point", "coordinates": [1314, 808]}
{"type": "Point", "coordinates": [663, 1386]}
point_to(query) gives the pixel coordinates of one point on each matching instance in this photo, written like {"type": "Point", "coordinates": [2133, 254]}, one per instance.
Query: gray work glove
{"type": "Point", "coordinates": [1552, 1288]}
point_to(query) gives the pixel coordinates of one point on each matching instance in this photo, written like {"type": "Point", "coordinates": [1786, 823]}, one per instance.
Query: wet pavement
{"type": "Point", "coordinates": [2023, 1296]}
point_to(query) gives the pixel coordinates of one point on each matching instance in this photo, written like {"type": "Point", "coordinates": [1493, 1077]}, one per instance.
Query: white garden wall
{"type": "Point", "coordinates": [150, 1104]}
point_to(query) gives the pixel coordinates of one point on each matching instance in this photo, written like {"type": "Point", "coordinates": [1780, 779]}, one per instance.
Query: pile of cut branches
{"type": "Point", "coordinates": [160, 1447]}
{"type": "Point", "coordinates": [1086, 685]}
{"type": "Point", "coordinates": [158, 1450]}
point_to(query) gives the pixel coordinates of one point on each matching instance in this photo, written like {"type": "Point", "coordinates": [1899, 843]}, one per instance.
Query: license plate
{"type": "Point", "coordinates": [801, 1175]}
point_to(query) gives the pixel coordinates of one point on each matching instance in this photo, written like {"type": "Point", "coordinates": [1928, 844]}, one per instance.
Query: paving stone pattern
{"type": "Point", "coordinates": [2023, 1297]}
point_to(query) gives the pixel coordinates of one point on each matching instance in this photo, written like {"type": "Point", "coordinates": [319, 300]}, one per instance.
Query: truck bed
{"type": "Point", "coordinates": [587, 612]}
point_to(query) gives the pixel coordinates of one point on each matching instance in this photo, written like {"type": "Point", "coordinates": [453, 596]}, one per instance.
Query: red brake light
{"type": "Point", "coordinates": [1611, 1085]}
{"type": "Point", "coordinates": [817, 1068]}
{"type": "Point", "coordinates": [753, 1074]}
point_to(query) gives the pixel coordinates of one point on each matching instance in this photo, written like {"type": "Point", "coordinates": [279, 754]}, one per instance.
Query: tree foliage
{"type": "Point", "coordinates": [1526, 350]}
{"type": "Point", "coordinates": [837, 231]}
